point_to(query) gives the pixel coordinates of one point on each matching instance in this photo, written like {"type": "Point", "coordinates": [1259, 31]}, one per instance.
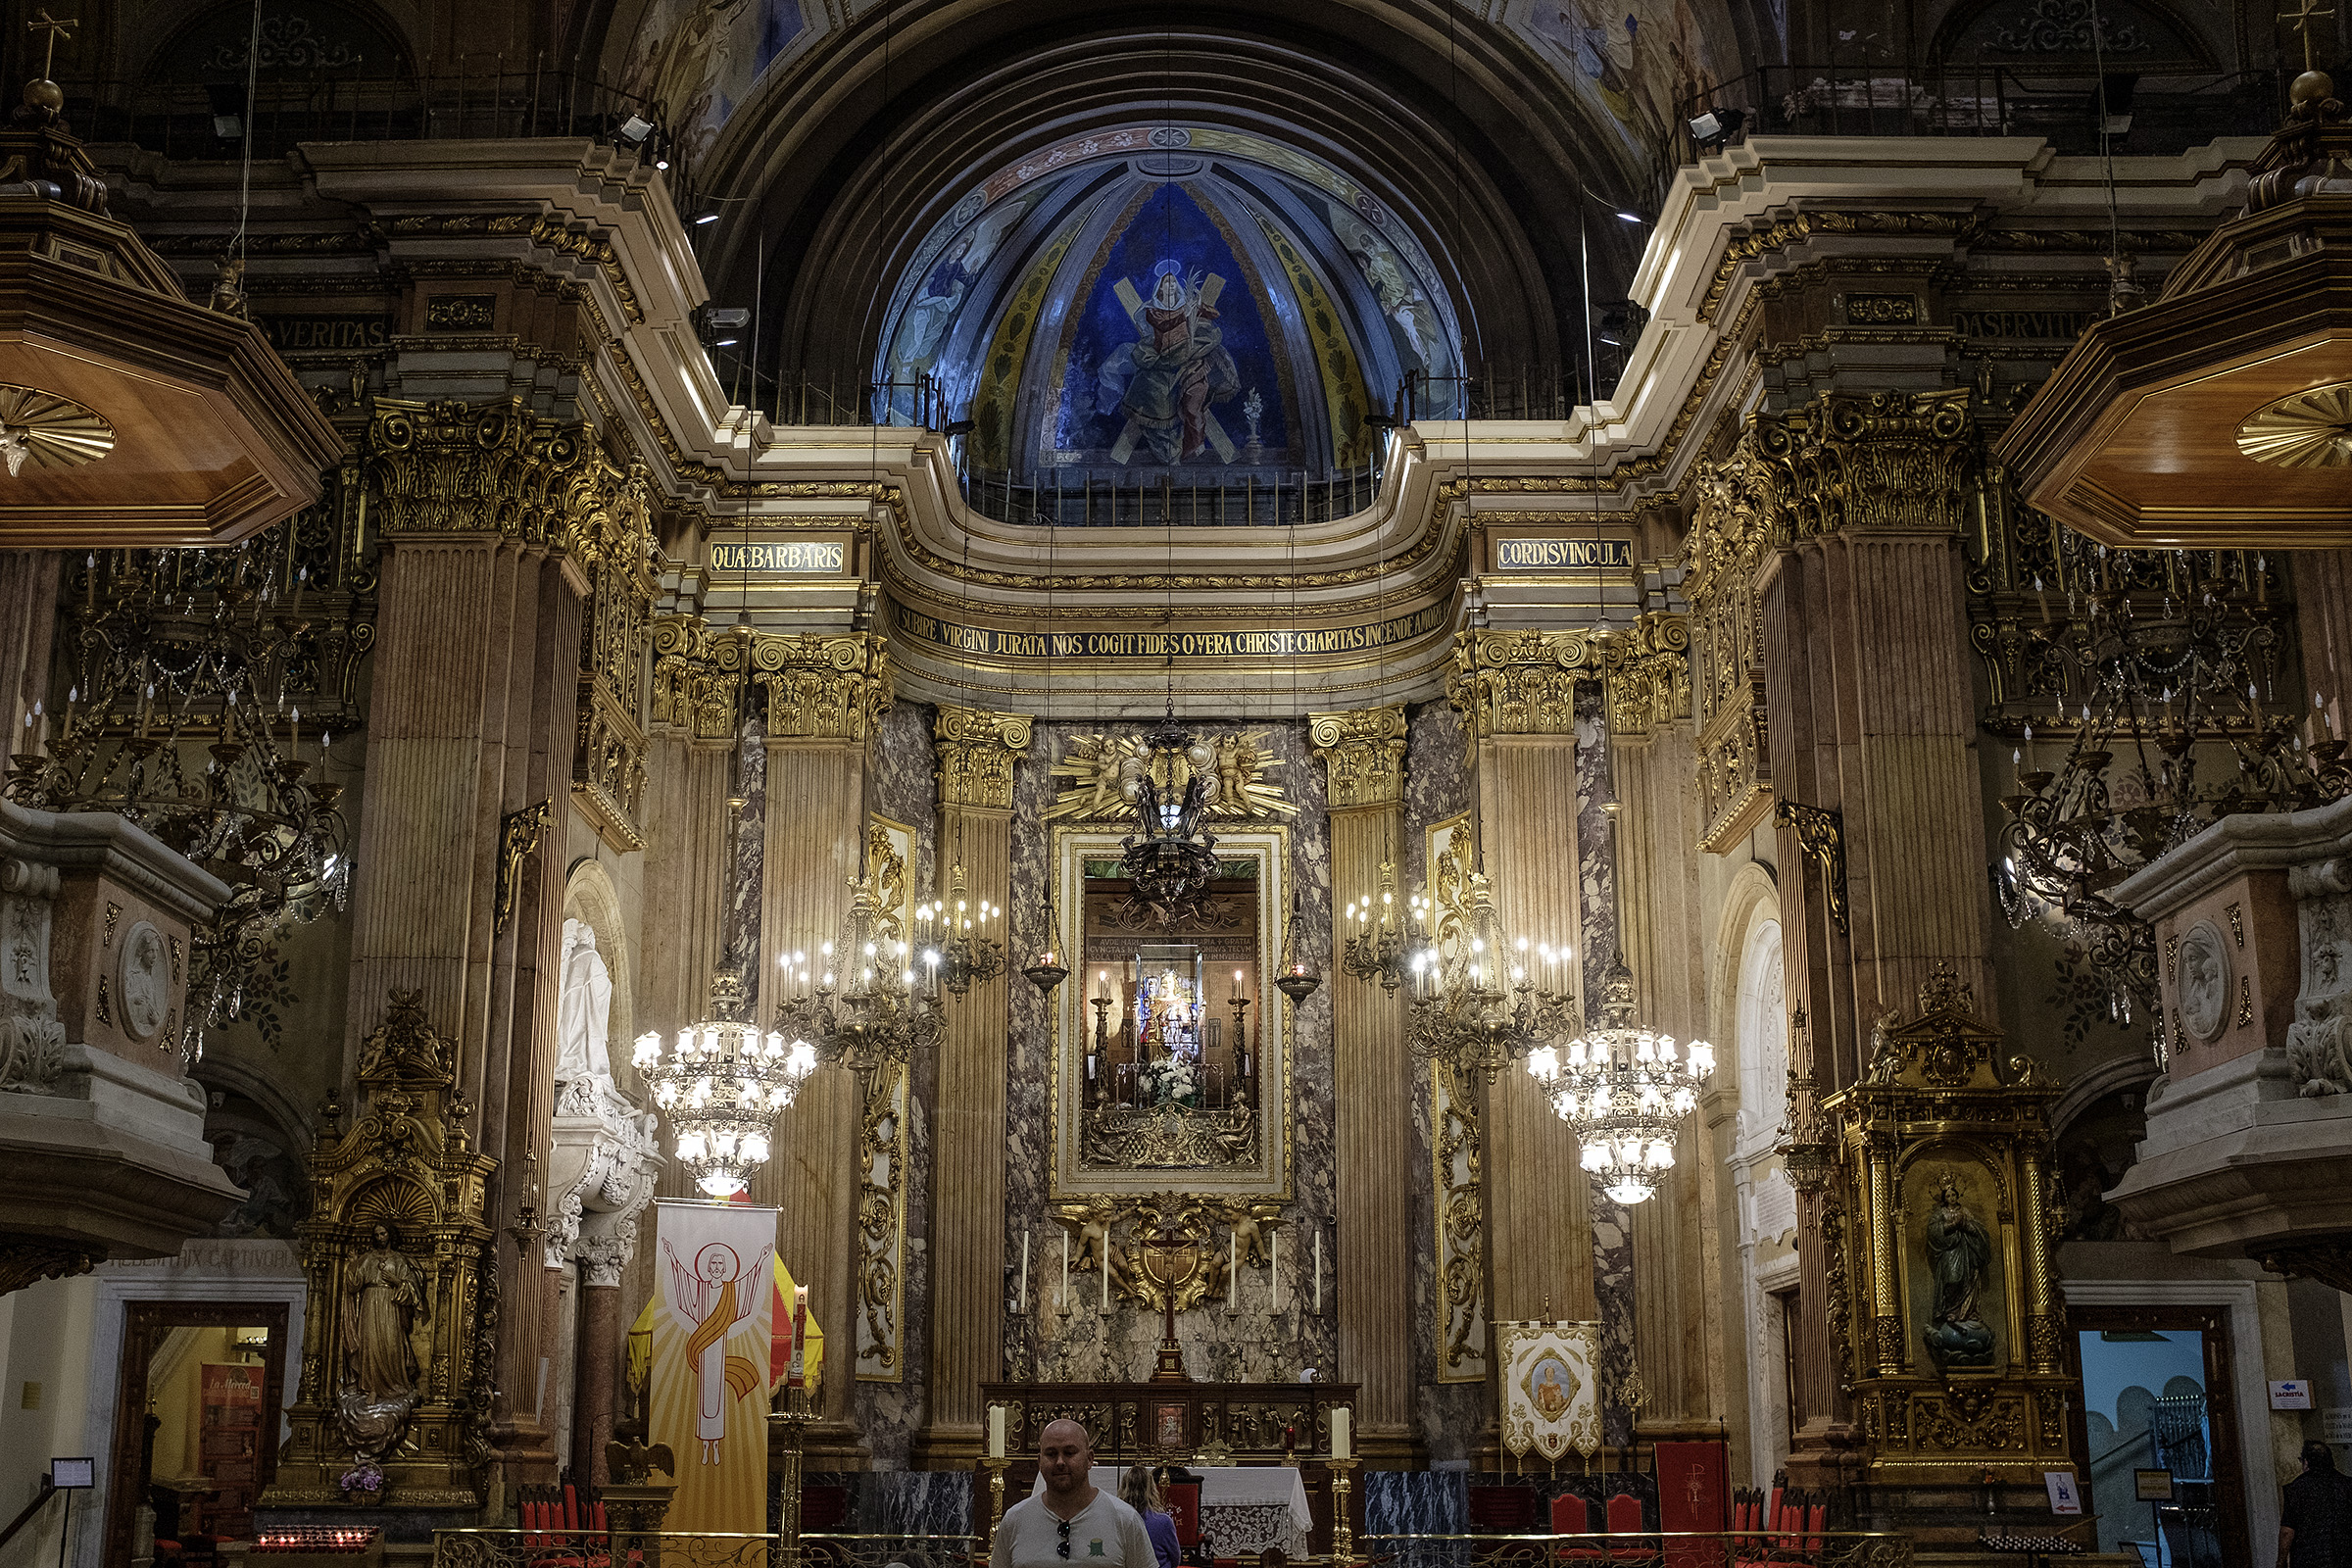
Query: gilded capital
{"type": "Point", "coordinates": [1650, 673]}
{"type": "Point", "coordinates": [454, 467]}
{"type": "Point", "coordinates": [1364, 749]}
{"type": "Point", "coordinates": [818, 687]}
{"type": "Point", "coordinates": [976, 748]}
{"type": "Point", "coordinates": [1507, 682]}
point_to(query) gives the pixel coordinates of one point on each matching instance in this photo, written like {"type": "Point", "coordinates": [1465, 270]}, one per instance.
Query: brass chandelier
{"type": "Point", "coordinates": [187, 673]}
{"type": "Point", "coordinates": [967, 953]}
{"type": "Point", "coordinates": [1378, 949]}
{"type": "Point", "coordinates": [2163, 667]}
{"type": "Point", "coordinates": [722, 1085]}
{"type": "Point", "coordinates": [1169, 861]}
{"type": "Point", "coordinates": [1471, 1002]}
{"type": "Point", "coordinates": [869, 1001]}
{"type": "Point", "coordinates": [1624, 1089]}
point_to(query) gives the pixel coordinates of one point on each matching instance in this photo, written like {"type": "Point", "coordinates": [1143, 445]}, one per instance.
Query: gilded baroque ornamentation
{"type": "Point", "coordinates": [1649, 674]}
{"type": "Point", "coordinates": [1461, 1222]}
{"type": "Point", "coordinates": [882, 1225]}
{"type": "Point", "coordinates": [27, 1259]}
{"type": "Point", "coordinates": [1521, 682]}
{"type": "Point", "coordinates": [610, 526]}
{"type": "Point", "coordinates": [519, 835]}
{"type": "Point", "coordinates": [399, 1354]}
{"type": "Point", "coordinates": [976, 748]}
{"type": "Point", "coordinates": [1735, 527]}
{"type": "Point", "coordinates": [1363, 750]}
{"type": "Point", "coordinates": [1821, 838]}
{"type": "Point", "coordinates": [1093, 1226]}
{"type": "Point", "coordinates": [819, 687]}
{"type": "Point", "coordinates": [1101, 774]}
{"type": "Point", "coordinates": [1939, 1231]}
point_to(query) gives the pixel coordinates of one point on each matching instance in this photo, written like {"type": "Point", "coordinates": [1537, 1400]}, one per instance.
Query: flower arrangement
{"type": "Point", "coordinates": [365, 1476]}
{"type": "Point", "coordinates": [1170, 1079]}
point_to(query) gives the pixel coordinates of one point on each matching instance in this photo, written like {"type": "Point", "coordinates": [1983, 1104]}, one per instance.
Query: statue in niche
{"type": "Point", "coordinates": [384, 1299]}
{"type": "Point", "coordinates": [1959, 1251]}
{"type": "Point", "coordinates": [583, 1017]}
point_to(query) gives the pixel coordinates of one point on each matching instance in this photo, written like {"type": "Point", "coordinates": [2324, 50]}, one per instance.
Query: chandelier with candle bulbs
{"type": "Point", "coordinates": [1169, 861]}
{"type": "Point", "coordinates": [1624, 1089]}
{"type": "Point", "coordinates": [871, 999]}
{"type": "Point", "coordinates": [1377, 947]}
{"type": "Point", "coordinates": [722, 1084]}
{"type": "Point", "coordinates": [1476, 1001]}
{"type": "Point", "coordinates": [956, 926]}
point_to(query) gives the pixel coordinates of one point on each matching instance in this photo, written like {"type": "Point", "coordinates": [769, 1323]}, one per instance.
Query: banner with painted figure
{"type": "Point", "coordinates": [713, 1322]}
{"type": "Point", "coordinates": [1550, 1386]}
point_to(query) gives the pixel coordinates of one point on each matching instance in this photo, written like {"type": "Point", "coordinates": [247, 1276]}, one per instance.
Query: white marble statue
{"type": "Point", "coordinates": [584, 1010]}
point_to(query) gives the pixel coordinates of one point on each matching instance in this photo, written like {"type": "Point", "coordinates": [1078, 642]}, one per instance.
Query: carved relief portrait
{"type": "Point", "coordinates": [146, 981]}
{"type": "Point", "coordinates": [2204, 981]}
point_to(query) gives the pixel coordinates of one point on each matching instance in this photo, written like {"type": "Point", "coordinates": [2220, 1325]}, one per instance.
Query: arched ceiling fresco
{"type": "Point", "coordinates": [1153, 298]}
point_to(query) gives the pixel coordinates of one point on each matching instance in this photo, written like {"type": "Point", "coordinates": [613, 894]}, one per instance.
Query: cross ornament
{"type": "Point", "coordinates": [54, 27]}
{"type": "Point", "coordinates": [2306, 12]}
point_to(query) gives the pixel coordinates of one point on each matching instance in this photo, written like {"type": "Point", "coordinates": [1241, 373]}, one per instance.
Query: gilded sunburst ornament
{"type": "Point", "coordinates": [2310, 429]}
{"type": "Point", "coordinates": [51, 431]}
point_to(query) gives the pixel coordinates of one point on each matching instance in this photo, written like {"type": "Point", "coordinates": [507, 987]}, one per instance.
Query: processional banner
{"type": "Point", "coordinates": [713, 1316]}
{"type": "Point", "coordinates": [1550, 1386]}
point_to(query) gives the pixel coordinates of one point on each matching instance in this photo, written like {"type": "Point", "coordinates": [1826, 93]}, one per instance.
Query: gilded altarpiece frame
{"type": "Point", "coordinates": [892, 861]}
{"type": "Point", "coordinates": [1943, 1293]}
{"type": "Point", "coordinates": [1267, 852]}
{"type": "Point", "coordinates": [1456, 1155]}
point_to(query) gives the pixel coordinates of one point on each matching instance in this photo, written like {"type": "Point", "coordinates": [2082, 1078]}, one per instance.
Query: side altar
{"type": "Point", "coordinates": [1199, 1426]}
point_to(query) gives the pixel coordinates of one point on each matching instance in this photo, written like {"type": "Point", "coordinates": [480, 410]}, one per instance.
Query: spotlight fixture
{"type": "Point", "coordinates": [634, 132]}
{"type": "Point", "coordinates": [719, 325]}
{"type": "Point", "coordinates": [956, 428]}
{"type": "Point", "coordinates": [1713, 129]}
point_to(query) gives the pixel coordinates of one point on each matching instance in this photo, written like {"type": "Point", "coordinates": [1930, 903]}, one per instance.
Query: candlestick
{"type": "Point", "coordinates": [1318, 1273]}
{"type": "Point", "coordinates": [1065, 1270]}
{"type": "Point", "coordinates": [1025, 1267]}
{"type": "Point", "coordinates": [1107, 1274]}
{"type": "Point", "coordinates": [1274, 1273]}
{"type": "Point", "coordinates": [1232, 1270]}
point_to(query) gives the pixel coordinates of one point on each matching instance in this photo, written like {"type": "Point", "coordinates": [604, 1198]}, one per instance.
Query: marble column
{"type": "Point", "coordinates": [690, 768]}
{"type": "Point", "coordinates": [1372, 1074]}
{"type": "Point", "coordinates": [823, 696]}
{"type": "Point", "coordinates": [597, 1361]}
{"type": "Point", "coordinates": [1521, 703]}
{"type": "Point", "coordinates": [976, 751]}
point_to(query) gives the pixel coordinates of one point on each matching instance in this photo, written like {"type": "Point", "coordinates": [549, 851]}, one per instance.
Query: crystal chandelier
{"type": "Point", "coordinates": [1378, 949]}
{"type": "Point", "coordinates": [873, 1001]}
{"type": "Point", "coordinates": [959, 925]}
{"type": "Point", "coordinates": [1169, 861]}
{"type": "Point", "coordinates": [2163, 664]}
{"type": "Point", "coordinates": [1624, 1089]}
{"type": "Point", "coordinates": [722, 1085]}
{"type": "Point", "coordinates": [1472, 1002]}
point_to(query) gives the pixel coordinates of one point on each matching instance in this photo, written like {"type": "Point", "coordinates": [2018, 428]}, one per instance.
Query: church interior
{"type": "Point", "coordinates": [1521, 779]}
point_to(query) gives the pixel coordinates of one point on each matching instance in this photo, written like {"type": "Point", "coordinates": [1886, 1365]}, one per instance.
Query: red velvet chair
{"type": "Point", "coordinates": [1569, 1518]}
{"type": "Point", "coordinates": [1625, 1519]}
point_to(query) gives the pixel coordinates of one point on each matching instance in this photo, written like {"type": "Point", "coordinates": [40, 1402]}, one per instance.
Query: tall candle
{"type": "Point", "coordinates": [1065, 1271]}
{"type": "Point", "coordinates": [1343, 1440]}
{"type": "Point", "coordinates": [1318, 1273]}
{"type": "Point", "coordinates": [1232, 1270]}
{"type": "Point", "coordinates": [1024, 1268]}
{"type": "Point", "coordinates": [1107, 1277]}
{"type": "Point", "coordinates": [1274, 1273]}
{"type": "Point", "coordinates": [797, 1374]}
{"type": "Point", "coordinates": [995, 1431]}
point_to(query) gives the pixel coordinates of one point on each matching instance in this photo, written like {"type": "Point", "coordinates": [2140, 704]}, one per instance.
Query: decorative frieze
{"type": "Point", "coordinates": [977, 747]}
{"type": "Point", "coordinates": [882, 1226]}
{"type": "Point", "coordinates": [1363, 750]}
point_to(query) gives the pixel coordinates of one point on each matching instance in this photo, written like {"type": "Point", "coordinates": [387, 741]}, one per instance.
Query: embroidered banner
{"type": "Point", "coordinates": [712, 1334]}
{"type": "Point", "coordinates": [1550, 1386]}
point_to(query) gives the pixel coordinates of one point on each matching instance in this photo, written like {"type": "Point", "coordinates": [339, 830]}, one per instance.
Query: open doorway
{"type": "Point", "coordinates": [196, 1423]}
{"type": "Point", "coordinates": [2156, 1398]}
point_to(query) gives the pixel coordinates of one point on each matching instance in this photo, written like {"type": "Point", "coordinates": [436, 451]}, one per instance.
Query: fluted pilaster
{"type": "Point", "coordinates": [1363, 752]}
{"type": "Point", "coordinates": [976, 749]}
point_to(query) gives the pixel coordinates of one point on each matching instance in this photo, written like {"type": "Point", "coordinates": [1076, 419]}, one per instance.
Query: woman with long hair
{"type": "Point", "coordinates": [1139, 1488]}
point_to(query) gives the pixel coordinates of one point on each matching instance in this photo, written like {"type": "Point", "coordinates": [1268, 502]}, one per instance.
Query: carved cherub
{"type": "Point", "coordinates": [1252, 1224]}
{"type": "Point", "coordinates": [1089, 1224]}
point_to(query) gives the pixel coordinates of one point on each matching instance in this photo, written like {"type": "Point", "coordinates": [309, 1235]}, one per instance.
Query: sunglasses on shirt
{"type": "Point", "coordinates": [1063, 1549]}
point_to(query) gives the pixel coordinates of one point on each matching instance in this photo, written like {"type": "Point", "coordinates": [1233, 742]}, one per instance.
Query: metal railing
{"type": "Point", "coordinates": [1819, 1548]}
{"type": "Point", "coordinates": [2167, 114]}
{"type": "Point", "coordinates": [698, 1548]}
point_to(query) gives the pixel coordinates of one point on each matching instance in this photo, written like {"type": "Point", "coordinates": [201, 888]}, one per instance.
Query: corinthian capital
{"type": "Point", "coordinates": [976, 748]}
{"type": "Point", "coordinates": [1363, 750]}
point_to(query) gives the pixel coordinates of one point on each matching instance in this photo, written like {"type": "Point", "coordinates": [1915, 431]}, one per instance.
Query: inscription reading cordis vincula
{"type": "Point", "coordinates": [1562, 554]}
{"type": "Point", "coordinates": [797, 557]}
{"type": "Point", "coordinates": [989, 641]}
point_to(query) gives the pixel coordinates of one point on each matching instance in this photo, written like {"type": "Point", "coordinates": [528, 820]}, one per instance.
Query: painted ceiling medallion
{"type": "Point", "coordinates": [54, 433]}
{"type": "Point", "coordinates": [2309, 430]}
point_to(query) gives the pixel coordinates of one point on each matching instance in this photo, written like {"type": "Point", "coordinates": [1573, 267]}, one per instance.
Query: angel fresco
{"type": "Point", "coordinates": [1177, 365]}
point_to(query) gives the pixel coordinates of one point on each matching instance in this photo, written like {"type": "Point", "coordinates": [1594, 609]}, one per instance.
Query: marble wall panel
{"type": "Point", "coordinates": [1596, 895]}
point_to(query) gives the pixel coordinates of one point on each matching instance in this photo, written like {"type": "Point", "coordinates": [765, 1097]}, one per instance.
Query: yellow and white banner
{"type": "Point", "coordinates": [1550, 1386]}
{"type": "Point", "coordinates": [713, 1316]}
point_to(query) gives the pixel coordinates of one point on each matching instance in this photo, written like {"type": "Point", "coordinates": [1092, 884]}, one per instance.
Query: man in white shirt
{"type": "Point", "coordinates": [1072, 1523]}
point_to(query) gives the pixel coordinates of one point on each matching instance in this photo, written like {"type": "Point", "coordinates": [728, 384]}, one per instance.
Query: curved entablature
{"type": "Point", "coordinates": [1166, 302]}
